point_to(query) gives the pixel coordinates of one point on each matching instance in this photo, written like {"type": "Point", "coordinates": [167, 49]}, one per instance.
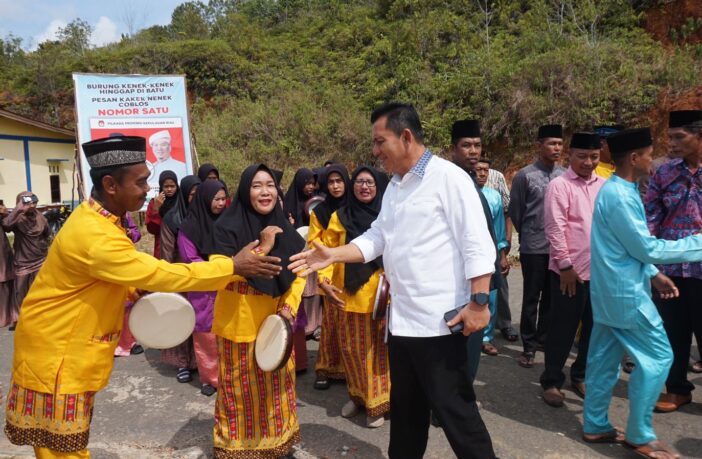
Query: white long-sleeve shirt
{"type": "Point", "coordinates": [432, 234]}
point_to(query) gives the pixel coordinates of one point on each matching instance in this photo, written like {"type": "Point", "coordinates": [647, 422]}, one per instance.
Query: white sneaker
{"type": "Point", "coordinates": [349, 410]}
{"type": "Point", "coordinates": [373, 422]}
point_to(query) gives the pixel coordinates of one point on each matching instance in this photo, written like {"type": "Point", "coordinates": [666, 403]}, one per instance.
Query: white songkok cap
{"type": "Point", "coordinates": [158, 136]}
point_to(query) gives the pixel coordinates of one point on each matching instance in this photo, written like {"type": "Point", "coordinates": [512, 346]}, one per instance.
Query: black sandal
{"type": "Point", "coordinates": [207, 390]}
{"type": "Point", "coordinates": [184, 375]}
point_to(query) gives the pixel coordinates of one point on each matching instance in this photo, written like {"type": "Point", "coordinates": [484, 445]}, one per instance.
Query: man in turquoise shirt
{"type": "Point", "coordinates": [497, 212]}
{"type": "Point", "coordinates": [625, 318]}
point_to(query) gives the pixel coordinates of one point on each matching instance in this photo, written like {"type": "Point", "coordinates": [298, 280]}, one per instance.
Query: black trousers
{"type": "Point", "coordinates": [429, 374]}
{"type": "Point", "coordinates": [566, 313]}
{"type": "Point", "coordinates": [504, 315]}
{"type": "Point", "coordinates": [681, 317]}
{"type": "Point", "coordinates": [535, 301]}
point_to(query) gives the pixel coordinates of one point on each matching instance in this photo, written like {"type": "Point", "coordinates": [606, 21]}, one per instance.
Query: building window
{"type": "Point", "coordinates": [55, 188]}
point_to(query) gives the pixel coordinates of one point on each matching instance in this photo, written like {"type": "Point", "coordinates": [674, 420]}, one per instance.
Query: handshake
{"type": "Point", "coordinates": [253, 260]}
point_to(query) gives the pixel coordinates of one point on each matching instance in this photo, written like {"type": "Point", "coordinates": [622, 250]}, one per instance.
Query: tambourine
{"type": "Point", "coordinates": [312, 202]}
{"type": "Point", "coordinates": [161, 320]}
{"type": "Point", "coordinates": [274, 343]}
{"type": "Point", "coordinates": [382, 298]}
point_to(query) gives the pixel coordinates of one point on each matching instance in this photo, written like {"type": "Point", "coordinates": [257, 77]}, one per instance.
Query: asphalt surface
{"type": "Point", "coordinates": [146, 413]}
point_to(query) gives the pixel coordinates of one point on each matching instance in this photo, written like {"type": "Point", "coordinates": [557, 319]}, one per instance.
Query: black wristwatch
{"type": "Point", "coordinates": [480, 298]}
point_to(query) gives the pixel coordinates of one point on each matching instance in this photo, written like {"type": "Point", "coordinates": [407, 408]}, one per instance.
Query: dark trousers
{"type": "Point", "coordinates": [504, 315]}
{"type": "Point", "coordinates": [474, 347]}
{"type": "Point", "coordinates": [566, 313]}
{"type": "Point", "coordinates": [535, 301]}
{"type": "Point", "coordinates": [430, 374]}
{"type": "Point", "coordinates": [681, 317]}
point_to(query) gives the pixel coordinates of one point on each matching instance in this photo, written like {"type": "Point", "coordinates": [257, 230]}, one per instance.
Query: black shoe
{"type": "Point", "coordinates": [510, 334]}
{"type": "Point", "coordinates": [136, 350]}
{"type": "Point", "coordinates": [434, 420]}
{"type": "Point", "coordinates": [208, 390]}
{"type": "Point", "coordinates": [526, 360]}
{"type": "Point", "coordinates": [12, 327]}
{"type": "Point", "coordinates": [184, 375]}
{"type": "Point", "coordinates": [322, 383]}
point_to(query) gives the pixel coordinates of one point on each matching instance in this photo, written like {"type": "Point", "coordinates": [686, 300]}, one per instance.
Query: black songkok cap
{"type": "Point", "coordinates": [550, 130]}
{"type": "Point", "coordinates": [605, 130]}
{"type": "Point", "coordinates": [628, 140]}
{"type": "Point", "coordinates": [115, 151]}
{"type": "Point", "coordinates": [585, 141]}
{"type": "Point", "coordinates": [682, 118]}
{"type": "Point", "coordinates": [465, 128]}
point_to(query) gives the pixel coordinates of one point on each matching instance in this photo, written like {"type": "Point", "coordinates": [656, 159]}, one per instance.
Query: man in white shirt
{"type": "Point", "coordinates": [438, 256]}
{"type": "Point", "coordinates": [161, 147]}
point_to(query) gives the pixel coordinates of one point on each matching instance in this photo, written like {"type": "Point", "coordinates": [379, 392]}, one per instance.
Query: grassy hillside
{"type": "Point", "coordinates": [292, 82]}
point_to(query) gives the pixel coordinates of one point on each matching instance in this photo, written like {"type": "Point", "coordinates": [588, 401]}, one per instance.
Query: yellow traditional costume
{"type": "Point", "coordinates": [363, 350]}
{"type": "Point", "coordinates": [255, 411]}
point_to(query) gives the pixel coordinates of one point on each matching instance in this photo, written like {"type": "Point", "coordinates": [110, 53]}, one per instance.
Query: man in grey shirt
{"type": "Point", "coordinates": [526, 209]}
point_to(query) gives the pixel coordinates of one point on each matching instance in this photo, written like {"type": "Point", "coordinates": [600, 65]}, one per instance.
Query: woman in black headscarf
{"type": "Point", "coordinates": [182, 356]}
{"type": "Point", "coordinates": [239, 311]}
{"type": "Point", "coordinates": [194, 237]}
{"type": "Point", "coordinates": [301, 189]}
{"type": "Point", "coordinates": [208, 172]}
{"type": "Point", "coordinates": [174, 217]}
{"type": "Point", "coordinates": [328, 365]}
{"type": "Point", "coordinates": [351, 287]}
{"type": "Point", "coordinates": [160, 205]}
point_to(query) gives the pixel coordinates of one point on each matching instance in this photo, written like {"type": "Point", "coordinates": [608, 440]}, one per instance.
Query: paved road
{"type": "Point", "coordinates": [146, 413]}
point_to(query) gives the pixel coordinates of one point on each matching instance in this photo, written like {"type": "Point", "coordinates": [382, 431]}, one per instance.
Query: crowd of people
{"type": "Point", "coordinates": [591, 246]}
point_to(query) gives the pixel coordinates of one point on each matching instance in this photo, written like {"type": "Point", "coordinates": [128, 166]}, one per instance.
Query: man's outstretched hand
{"type": "Point", "coordinates": [308, 261]}
{"type": "Point", "coordinates": [249, 264]}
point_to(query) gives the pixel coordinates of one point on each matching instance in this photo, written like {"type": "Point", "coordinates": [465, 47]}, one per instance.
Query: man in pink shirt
{"type": "Point", "coordinates": [568, 209]}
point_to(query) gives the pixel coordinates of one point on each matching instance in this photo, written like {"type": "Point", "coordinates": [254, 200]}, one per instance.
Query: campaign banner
{"type": "Point", "coordinates": [149, 106]}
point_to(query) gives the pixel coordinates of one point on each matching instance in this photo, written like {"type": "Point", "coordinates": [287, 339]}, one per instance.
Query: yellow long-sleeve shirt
{"type": "Point", "coordinates": [71, 319]}
{"type": "Point", "coordinates": [361, 301]}
{"type": "Point", "coordinates": [316, 230]}
{"type": "Point", "coordinates": [239, 309]}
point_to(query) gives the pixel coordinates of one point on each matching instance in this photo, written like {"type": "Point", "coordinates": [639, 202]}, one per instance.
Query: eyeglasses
{"type": "Point", "coordinates": [368, 183]}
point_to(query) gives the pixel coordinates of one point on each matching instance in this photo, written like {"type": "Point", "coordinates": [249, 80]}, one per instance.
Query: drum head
{"type": "Point", "coordinates": [161, 320]}
{"type": "Point", "coordinates": [273, 343]}
{"type": "Point", "coordinates": [313, 202]}
{"type": "Point", "coordinates": [382, 297]}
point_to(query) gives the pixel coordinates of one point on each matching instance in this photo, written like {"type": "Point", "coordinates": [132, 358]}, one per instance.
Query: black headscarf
{"type": "Point", "coordinates": [295, 198]}
{"type": "Point", "coordinates": [241, 224]}
{"type": "Point", "coordinates": [175, 216]}
{"type": "Point", "coordinates": [356, 217]}
{"type": "Point", "coordinates": [325, 209]}
{"type": "Point", "coordinates": [198, 224]}
{"type": "Point", "coordinates": [169, 203]}
{"type": "Point", "coordinates": [320, 175]}
{"type": "Point", "coordinates": [205, 170]}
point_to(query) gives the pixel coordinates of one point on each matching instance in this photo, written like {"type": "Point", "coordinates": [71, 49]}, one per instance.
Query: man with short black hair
{"type": "Point", "coordinates": [438, 257]}
{"type": "Point", "coordinates": [497, 215]}
{"type": "Point", "coordinates": [674, 210]}
{"type": "Point", "coordinates": [625, 318]}
{"type": "Point", "coordinates": [568, 207]}
{"type": "Point", "coordinates": [526, 210]}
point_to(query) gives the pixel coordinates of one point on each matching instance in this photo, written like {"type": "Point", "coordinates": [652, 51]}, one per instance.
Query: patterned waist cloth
{"type": "Point", "coordinates": [60, 422]}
